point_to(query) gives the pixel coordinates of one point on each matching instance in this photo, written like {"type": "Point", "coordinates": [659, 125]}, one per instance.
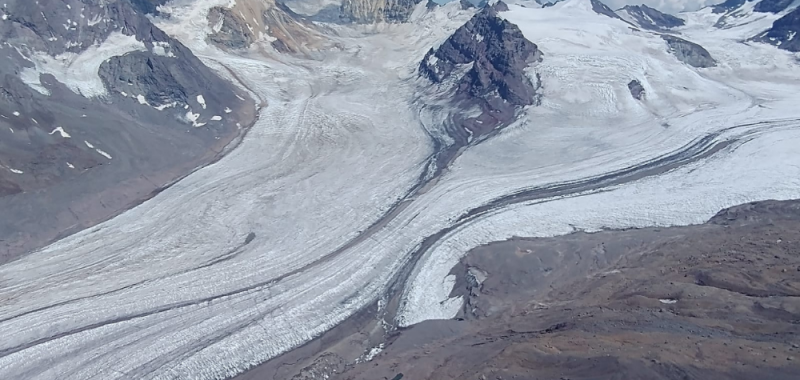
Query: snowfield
{"type": "Point", "coordinates": [275, 243]}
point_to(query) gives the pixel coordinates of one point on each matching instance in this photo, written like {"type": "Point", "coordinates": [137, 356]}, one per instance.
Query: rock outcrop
{"type": "Point", "coordinates": [485, 60]}
{"type": "Point", "coordinates": [372, 11]}
{"type": "Point", "coordinates": [689, 52]}
{"type": "Point", "coordinates": [600, 8]}
{"type": "Point", "coordinates": [727, 6]}
{"type": "Point", "coordinates": [783, 32]}
{"type": "Point", "coordinates": [636, 89]}
{"type": "Point", "coordinates": [243, 24]}
{"type": "Point", "coordinates": [772, 6]}
{"type": "Point", "coordinates": [649, 18]}
{"type": "Point", "coordinates": [98, 109]}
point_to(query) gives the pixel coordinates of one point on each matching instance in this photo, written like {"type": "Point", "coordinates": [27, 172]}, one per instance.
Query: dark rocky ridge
{"type": "Point", "coordinates": [772, 6]}
{"type": "Point", "coordinates": [147, 6]}
{"type": "Point", "coordinates": [600, 8]}
{"type": "Point", "coordinates": [689, 52]}
{"type": "Point", "coordinates": [653, 19]}
{"type": "Point", "coordinates": [783, 32]}
{"type": "Point", "coordinates": [728, 5]}
{"type": "Point", "coordinates": [636, 89]}
{"type": "Point", "coordinates": [498, 54]}
{"type": "Point", "coordinates": [238, 27]}
{"type": "Point", "coordinates": [66, 183]}
{"type": "Point", "coordinates": [232, 33]}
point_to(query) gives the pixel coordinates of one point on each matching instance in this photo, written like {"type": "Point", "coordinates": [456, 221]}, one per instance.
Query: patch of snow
{"type": "Point", "coordinates": [88, 144]}
{"type": "Point", "coordinates": [15, 171]}
{"type": "Point", "coordinates": [70, 166]}
{"type": "Point", "coordinates": [79, 72]}
{"type": "Point", "coordinates": [15, 113]}
{"type": "Point", "coordinates": [216, 118]}
{"type": "Point", "coordinates": [668, 301]}
{"type": "Point", "coordinates": [104, 154]}
{"type": "Point", "coordinates": [141, 99]}
{"type": "Point", "coordinates": [228, 110]}
{"type": "Point", "coordinates": [60, 130]}
{"type": "Point", "coordinates": [162, 49]}
{"type": "Point", "coordinates": [202, 101]}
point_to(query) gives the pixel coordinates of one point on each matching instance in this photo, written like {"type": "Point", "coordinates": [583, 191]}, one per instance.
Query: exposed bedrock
{"type": "Point", "coordinates": [772, 6]}
{"type": "Point", "coordinates": [689, 52]}
{"type": "Point", "coordinates": [783, 32]}
{"type": "Point", "coordinates": [636, 88]}
{"type": "Point", "coordinates": [651, 18]}
{"type": "Point", "coordinates": [485, 61]}
{"type": "Point", "coordinates": [371, 11]}
{"type": "Point", "coordinates": [602, 9]}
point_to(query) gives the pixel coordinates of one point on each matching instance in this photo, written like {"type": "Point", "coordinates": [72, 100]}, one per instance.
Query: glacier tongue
{"type": "Point", "coordinates": [278, 241]}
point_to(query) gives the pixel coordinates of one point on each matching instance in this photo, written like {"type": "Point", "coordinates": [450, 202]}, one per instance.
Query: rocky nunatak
{"type": "Point", "coordinates": [486, 60]}
{"type": "Point", "coordinates": [689, 52]}
{"type": "Point", "coordinates": [651, 18]}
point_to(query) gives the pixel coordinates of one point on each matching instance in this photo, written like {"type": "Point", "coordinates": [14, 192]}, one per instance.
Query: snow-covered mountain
{"type": "Point", "coordinates": [391, 137]}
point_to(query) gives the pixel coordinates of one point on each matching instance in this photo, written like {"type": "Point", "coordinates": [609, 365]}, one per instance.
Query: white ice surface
{"type": "Point", "coordinates": [79, 72]}
{"type": "Point", "coordinates": [167, 289]}
{"type": "Point", "coordinates": [589, 123]}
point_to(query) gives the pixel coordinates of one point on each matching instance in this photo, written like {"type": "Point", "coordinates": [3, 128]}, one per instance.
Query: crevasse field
{"type": "Point", "coordinates": [308, 220]}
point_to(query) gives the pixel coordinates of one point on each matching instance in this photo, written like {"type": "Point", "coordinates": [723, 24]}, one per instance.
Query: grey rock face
{"type": "Point", "coordinates": [689, 52]}
{"type": "Point", "coordinates": [600, 8]}
{"type": "Point", "coordinates": [772, 6]}
{"type": "Point", "coordinates": [494, 53]}
{"type": "Point", "coordinates": [232, 33]}
{"type": "Point", "coordinates": [728, 5]}
{"type": "Point", "coordinates": [783, 33]}
{"type": "Point", "coordinates": [147, 6]}
{"type": "Point", "coordinates": [653, 19]}
{"type": "Point", "coordinates": [636, 89]}
{"type": "Point", "coordinates": [371, 11]}
{"type": "Point", "coordinates": [68, 161]}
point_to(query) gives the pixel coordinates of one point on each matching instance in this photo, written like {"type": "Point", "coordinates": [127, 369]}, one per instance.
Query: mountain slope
{"type": "Point", "coordinates": [95, 107]}
{"type": "Point", "coordinates": [783, 32]}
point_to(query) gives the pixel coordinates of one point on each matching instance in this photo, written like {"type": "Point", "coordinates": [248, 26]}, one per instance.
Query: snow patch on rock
{"type": "Point", "coordinates": [79, 72]}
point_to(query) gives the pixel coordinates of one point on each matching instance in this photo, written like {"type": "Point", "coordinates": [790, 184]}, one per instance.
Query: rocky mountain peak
{"type": "Point", "coordinates": [602, 9]}
{"type": "Point", "coordinates": [650, 18]}
{"type": "Point", "coordinates": [485, 60]}
{"type": "Point", "coordinates": [772, 6]}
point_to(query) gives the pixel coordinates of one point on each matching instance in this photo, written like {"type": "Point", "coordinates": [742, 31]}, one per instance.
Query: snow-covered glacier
{"type": "Point", "coordinates": [314, 213]}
